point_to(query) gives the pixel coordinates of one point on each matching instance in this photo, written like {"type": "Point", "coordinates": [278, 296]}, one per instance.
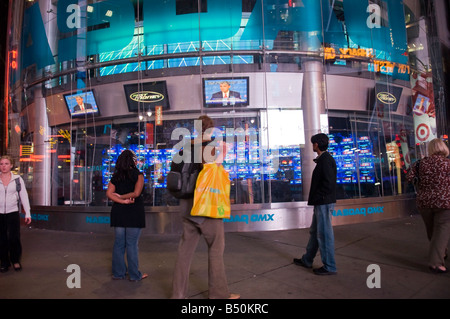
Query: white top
{"type": "Point", "coordinates": [9, 197]}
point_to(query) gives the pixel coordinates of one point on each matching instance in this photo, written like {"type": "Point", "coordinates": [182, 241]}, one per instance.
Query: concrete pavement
{"type": "Point", "coordinates": [258, 264]}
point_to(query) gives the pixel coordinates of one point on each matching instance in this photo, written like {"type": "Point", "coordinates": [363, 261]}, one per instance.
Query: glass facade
{"type": "Point", "coordinates": [357, 70]}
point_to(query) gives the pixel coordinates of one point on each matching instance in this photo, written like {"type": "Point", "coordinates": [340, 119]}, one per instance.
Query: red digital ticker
{"type": "Point", "coordinates": [13, 59]}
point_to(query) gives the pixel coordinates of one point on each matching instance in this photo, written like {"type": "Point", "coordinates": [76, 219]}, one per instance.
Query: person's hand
{"type": "Point", "coordinates": [222, 152]}
{"type": "Point", "coordinates": [27, 220]}
{"type": "Point", "coordinates": [129, 201]}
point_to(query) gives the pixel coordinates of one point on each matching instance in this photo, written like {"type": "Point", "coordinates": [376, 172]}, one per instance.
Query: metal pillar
{"type": "Point", "coordinates": [42, 171]}
{"type": "Point", "coordinates": [42, 166]}
{"type": "Point", "coordinates": [313, 104]}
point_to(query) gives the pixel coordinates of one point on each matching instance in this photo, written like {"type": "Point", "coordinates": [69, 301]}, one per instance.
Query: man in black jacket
{"type": "Point", "coordinates": [322, 195]}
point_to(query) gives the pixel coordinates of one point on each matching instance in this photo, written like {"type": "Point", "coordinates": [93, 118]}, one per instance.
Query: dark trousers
{"type": "Point", "coordinates": [437, 223]}
{"type": "Point", "coordinates": [10, 246]}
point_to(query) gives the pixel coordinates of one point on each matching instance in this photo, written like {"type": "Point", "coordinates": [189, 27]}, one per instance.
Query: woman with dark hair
{"type": "Point", "coordinates": [127, 216]}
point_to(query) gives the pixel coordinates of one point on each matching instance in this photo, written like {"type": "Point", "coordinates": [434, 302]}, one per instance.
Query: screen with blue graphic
{"type": "Point", "coordinates": [243, 161]}
{"type": "Point", "coordinates": [366, 160]}
{"type": "Point", "coordinates": [153, 163]}
{"type": "Point", "coordinates": [226, 92]}
{"type": "Point", "coordinates": [82, 103]}
{"type": "Point", "coordinates": [352, 156]}
{"type": "Point", "coordinates": [246, 160]}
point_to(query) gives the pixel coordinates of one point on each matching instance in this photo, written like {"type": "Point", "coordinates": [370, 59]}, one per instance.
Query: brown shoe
{"type": "Point", "coordinates": [234, 296]}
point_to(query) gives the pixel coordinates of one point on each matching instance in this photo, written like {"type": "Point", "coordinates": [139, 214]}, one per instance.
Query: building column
{"type": "Point", "coordinates": [313, 105]}
{"type": "Point", "coordinates": [41, 189]}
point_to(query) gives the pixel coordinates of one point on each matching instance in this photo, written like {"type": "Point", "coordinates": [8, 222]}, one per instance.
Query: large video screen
{"type": "Point", "coordinates": [82, 103]}
{"type": "Point", "coordinates": [352, 154]}
{"type": "Point", "coordinates": [153, 163]}
{"type": "Point", "coordinates": [225, 92]}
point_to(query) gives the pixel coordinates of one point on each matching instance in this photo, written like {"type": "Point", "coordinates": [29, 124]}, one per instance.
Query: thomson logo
{"type": "Point", "coordinates": [386, 98]}
{"type": "Point", "coordinates": [147, 97]}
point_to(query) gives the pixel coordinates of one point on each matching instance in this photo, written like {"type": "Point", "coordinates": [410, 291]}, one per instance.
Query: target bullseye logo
{"type": "Point", "coordinates": [423, 132]}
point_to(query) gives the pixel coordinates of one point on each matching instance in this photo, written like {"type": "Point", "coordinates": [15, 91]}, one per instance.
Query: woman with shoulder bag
{"type": "Point", "coordinates": [433, 200]}
{"type": "Point", "coordinates": [10, 199]}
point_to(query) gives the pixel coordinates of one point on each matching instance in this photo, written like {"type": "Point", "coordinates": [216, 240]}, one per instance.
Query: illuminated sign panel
{"type": "Point", "coordinates": [386, 98]}
{"type": "Point", "coordinates": [158, 115]}
{"type": "Point", "coordinates": [143, 96]}
{"type": "Point", "coordinates": [13, 59]}
{"type": "Point", "coordinates": [109, 25]}
{"type": "Point", "coordinates": [388, 95]}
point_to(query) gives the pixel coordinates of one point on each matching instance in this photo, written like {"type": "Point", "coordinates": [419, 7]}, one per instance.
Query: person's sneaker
{"type": "Point", "coordinates": [142, 277]}
{"type": "Point", "coordinates": [299, 262]}
{"type": "Point", "coordinates": [323, 272]}
{"type": "Point", "coordinates": [234, 296]}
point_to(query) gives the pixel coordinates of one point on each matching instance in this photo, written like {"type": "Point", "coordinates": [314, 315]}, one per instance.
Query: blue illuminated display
{"type": "Point", "coordinates": [108, 29]}
{"type": "Point", "coordinates": [241, 162]}
{"type": "Point", "coordinates": [352, 155]}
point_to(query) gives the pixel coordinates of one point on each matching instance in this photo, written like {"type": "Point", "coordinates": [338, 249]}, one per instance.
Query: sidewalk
{"type": "Point", "coordinates": [258, 264]}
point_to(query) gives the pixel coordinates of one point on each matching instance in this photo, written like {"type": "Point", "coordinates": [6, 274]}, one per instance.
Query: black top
{"type": "Point", "coordinates": [186, 204]}
{"type": "Point", "coordinates": [128, 215]}
{"type": "Point", "coordinates": [323, 183]}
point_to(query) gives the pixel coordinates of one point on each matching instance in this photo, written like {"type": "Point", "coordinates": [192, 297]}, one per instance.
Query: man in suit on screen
{"type": "Point", "coordinates": [225, 95]}
{"type": "Point", "coordinates": [82, 107]}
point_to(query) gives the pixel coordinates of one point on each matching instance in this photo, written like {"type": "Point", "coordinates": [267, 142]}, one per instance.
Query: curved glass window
{"type": "Point", "coordinates": [356, 70]}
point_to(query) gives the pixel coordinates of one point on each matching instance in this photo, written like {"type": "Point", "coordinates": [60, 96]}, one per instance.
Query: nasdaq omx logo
{"type": "Point", "coordinates": [105, 26]}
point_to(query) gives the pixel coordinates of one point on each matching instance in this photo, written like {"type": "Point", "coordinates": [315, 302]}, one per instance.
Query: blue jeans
{"type": "Point", "coordinates": [321, 238]}
{"type": "Point", "coordinates": [126, 241]}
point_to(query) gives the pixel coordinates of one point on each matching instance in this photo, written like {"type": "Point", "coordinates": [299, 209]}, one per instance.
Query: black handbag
{"type": "Point", "coordinates": [181, 184]}
{"type": "Point", "coordinates": [416, 180]}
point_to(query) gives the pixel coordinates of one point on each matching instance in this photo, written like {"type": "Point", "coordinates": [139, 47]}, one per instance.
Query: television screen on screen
{"type": "Point", "coordinates": [81, 103]}
{"type": "Point", "coordinates": [225, 92]}
{"type": "Point", "coordinates": [148, 95]}
{"type": "Point", "coordinates": [421, 105]}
